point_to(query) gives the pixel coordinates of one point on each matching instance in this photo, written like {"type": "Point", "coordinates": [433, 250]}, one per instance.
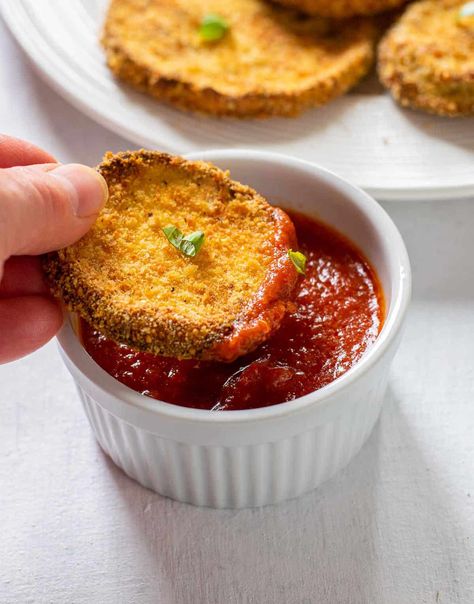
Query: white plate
{"type": "Point", "coordinates": [364, 137]}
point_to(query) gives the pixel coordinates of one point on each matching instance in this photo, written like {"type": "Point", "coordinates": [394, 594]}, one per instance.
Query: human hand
{"type": "Point", "coordinates": [43, 206]}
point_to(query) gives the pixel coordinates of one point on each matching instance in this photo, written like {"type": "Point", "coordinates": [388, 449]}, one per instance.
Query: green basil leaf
{"type": "Point", "coordinates": [213, 28]}
{"type": "Point", "coordinates": [188, 245]}
{"type": "Point", "coordinates": [196, 240]}
{"type": "Point", "coordinates": [187, 248]}
{"type": "Point", "coordinates": [174, 235]}
{"type": "Point", "coordinates": [299, 261]}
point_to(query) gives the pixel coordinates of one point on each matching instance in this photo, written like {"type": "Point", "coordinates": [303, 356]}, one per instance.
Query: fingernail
{"type": "Point", "coordinates": [88, 188]}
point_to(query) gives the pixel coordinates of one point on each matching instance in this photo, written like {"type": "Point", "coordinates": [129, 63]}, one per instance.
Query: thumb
{"type": "Point", "coordinates": [47, 207]}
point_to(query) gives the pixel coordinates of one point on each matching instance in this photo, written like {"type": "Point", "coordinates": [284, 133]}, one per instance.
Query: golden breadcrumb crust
{"type": "Point", "coordinates": [342, 9]}
{"type": "Point", "coordinates": [272, 61]}
{"type": "Point", "coordinates": [127, 280]}
{"type": "Point", "coordinates": [426, 59]}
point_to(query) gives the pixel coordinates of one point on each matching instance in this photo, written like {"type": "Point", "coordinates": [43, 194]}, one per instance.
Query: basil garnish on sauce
{"type": "Point", "coordinates": [299, 261]}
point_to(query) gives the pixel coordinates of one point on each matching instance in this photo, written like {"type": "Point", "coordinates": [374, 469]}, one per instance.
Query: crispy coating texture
{"type": "Point", "coordinates": [272, 61]}
{"type": "Point", "coordinates": [426, 59]}
{"type": "Point", "coordinates": [127, 280]}
{"type": "Point", "coordinates": [342, 9]}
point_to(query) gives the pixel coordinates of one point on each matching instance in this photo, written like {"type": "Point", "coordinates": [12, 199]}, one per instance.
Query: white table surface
{"type": "Point", "coordinates": [395, 527]}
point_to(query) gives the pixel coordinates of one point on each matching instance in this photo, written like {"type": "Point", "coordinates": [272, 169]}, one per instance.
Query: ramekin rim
{"type": "Point", "coordinates": [396, 313]}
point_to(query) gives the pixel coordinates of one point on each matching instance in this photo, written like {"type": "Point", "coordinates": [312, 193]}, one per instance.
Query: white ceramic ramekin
{"type": "Point", "coordinates": [250, 458]}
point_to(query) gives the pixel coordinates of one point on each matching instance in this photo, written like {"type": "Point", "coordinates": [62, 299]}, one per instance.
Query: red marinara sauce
{"type": "Point", "coordinates": [339, 314]}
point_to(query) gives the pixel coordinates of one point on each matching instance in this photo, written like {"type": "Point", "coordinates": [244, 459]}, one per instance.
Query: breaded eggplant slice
{"type": "Point", "coordinates": [128, 281]}
{"type": "Point", "coordinates": [342, 9]}
{"type": "Point", "coordinates": [426, 59]}
{"type": "Point", "coordinates": [271, 61]}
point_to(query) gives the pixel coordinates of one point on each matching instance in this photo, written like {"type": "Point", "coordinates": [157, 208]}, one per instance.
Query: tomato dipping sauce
{"type": "Point", "coordinates": [339, 313]}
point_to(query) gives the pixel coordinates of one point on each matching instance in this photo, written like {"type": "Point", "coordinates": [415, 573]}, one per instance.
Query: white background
{"type": "Point", "coordinates": [395, 527]}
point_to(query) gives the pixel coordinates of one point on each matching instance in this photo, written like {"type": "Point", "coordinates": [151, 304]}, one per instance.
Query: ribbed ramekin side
{"type": "Point", "coordinates": [235, 476]}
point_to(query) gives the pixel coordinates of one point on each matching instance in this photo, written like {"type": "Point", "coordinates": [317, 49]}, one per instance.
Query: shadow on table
{"type": "Point", "coordinates": [298, 551]}
{"type": "Point", "coordinates": [324, 547]}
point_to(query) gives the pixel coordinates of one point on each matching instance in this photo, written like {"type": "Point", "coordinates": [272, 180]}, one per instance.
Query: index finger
{"type": "Point", "coordinates": [16, 152]}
